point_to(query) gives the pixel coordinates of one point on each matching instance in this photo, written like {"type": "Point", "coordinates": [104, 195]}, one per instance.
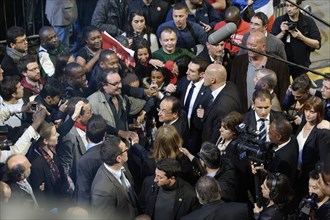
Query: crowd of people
{"type": "Point", "coordinates": [193, 130]}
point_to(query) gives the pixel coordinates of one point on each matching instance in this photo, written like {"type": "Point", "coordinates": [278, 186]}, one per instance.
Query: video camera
{"type": "Point", "coordinates": [308, 207]}
{"type": "Point", "coordinates": [250, 147]}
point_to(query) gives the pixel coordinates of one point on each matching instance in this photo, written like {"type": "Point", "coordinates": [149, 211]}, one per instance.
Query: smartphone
{"type": "Point", "coordinates": [35, 107]}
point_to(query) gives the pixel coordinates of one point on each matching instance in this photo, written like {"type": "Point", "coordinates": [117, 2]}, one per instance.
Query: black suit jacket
{"type": "Point", "coordinates": [220, 210]}
{"type": "Point", "coordinates": [185, 198]}
{"type": "Point", "coordinates": [226, 102]}
{"type": "Point", "coordinates": [87, 168]}
{"type": "Point", "coordinates": [202, 99]}
{"type": "Point", "coordinates": [315, 149]}
{"type": "Point", "coordinates": [182, 126]}
{"type": "Point", "coordinates": [286, 160]}
{"type": "Point", "coordinates": [250, 118]}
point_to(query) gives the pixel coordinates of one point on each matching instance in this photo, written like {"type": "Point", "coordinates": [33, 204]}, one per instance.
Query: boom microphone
{"type": "Point", "coordinates": [223, 33]}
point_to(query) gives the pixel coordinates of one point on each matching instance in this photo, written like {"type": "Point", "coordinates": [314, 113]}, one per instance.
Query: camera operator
{"type": "Point", "coordinates": [324, 185]}
{"type": "Point", "coordinates": [276, 189]}
{"type": "Point", "coordinates": [323, 201]}
{"type": "Point", "coordinates": [23, 144]}
{"type": "Point", "coordinates": [299, 34]}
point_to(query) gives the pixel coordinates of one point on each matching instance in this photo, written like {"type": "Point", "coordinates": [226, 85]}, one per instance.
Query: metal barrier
{"type": "Point", "coordinates": [28, 14]}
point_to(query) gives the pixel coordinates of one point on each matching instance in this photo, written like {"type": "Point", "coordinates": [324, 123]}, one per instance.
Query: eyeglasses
{"type": "Point", "coordinates": [34, 69]}
{"type": "Point", "coordinates": [163, 111]}
{"type": "Point", "coordinates": [115, 84]}
{"type": "Point", "coordinates": [126, 149]}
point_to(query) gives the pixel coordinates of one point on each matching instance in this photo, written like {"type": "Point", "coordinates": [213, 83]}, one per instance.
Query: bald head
{"type": "Point", "coordinates": [259, 37]}
{"type": "Point", "coordinates": [18, 167]}
{"type": "Point", "coordinates": [215, 76]}
{"type": "Point", "coordinates": [232, 14]}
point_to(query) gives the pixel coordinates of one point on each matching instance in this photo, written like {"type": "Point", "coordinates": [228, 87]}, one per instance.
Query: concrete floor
{"type": "Point", "coordinates": [321, 9]}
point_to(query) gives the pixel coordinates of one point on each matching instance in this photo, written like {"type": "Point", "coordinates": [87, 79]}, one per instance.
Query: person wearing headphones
{"type": "Point", "coordinates": [279, 194]}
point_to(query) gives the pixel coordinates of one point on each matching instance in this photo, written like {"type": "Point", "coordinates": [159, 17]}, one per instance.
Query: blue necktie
{"type": "Point", "coordinates": [262, 130]}
{"type": "Point", "coordinates": [187, 103]}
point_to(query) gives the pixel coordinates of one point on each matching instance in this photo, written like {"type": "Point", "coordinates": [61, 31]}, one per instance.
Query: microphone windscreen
{"type": "Point", "coordinates": [223, 33]}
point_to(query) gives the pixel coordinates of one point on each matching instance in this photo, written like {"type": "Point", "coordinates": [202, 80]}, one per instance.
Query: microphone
{"type": "Point", "coordinates": [223, 33]}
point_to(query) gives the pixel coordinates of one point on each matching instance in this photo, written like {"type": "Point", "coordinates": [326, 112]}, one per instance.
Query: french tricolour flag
{"type": "Point", "coordinates": [265, 6]}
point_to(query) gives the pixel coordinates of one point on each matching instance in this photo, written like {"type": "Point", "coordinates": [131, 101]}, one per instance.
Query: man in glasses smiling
{"type": "Point", "coordinates": [114, 107]}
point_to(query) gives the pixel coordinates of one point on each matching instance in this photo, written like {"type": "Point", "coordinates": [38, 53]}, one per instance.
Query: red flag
{"type": "Point", "coordinates": [123, 53]}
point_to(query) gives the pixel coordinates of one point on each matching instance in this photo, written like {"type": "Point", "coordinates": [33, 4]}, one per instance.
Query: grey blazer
{"type": "Point", "coordinates": [109, 198]}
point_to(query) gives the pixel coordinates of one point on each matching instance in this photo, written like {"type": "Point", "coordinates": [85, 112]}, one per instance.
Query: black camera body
{"type": "Point", "coordinates": [250, 147]}
{"type": "Point", "coordinates": [35, 107]}
{"type": "Point", "coordinates": [4, 143]}
{"type": "Point", "coordinates": [66, 96]}
{"type": "Point", "coordinates": [291, 25]}
{"type": "Point", "coordinates": [308, 207]}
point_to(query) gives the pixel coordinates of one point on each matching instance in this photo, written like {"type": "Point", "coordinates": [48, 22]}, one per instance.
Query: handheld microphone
{"type": "Point", "coordinates": [223, 33]}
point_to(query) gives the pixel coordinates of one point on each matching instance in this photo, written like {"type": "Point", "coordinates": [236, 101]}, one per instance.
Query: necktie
{"type": "Point", "coordinates": [262, 130]}
{"type": "Point", "coordinates": [187, 103]}
{"type": "Point", "coordinates": [130, 191]}
{"type": "Point", "coordinates": [123, 181]}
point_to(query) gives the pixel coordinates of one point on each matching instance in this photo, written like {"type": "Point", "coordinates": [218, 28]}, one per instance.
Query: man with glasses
{"type": "Point", "coordinates": [32, 80]}
{"type": "Point", "coordinates": [169, 112]}
{"type": "Point", "coordinates": [112, 192]}
{"type": "Point", "coordinates": [274, 46]}
{"type": "Point", "coordinates": [113, 106]}
{"type": "Point", "coordinates": [17, 46]}
{"type": "Point", "coordinates": [299, 34]}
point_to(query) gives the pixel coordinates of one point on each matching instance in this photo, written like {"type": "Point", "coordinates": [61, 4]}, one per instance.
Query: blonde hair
{"type": "Point", "coordinates": [167, 143]}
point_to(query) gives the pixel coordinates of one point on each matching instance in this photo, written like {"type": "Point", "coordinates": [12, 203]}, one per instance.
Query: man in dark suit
{"type": "Point", "coordinates": [213, 208]}
{"type": "Point", "coordinates": [169, 112]}
{"type": "Point", "coordinates": [112, 193]}
{"type": "Point", "coordinates": [224, 99]}
{"type": "Point", "coordinates": [286, 154]}
{"type": "Point", "coordinates": [260, 117]}
{"type": "Point", "coordinates": [90, 162]}
{"type": "Point", "coordinates": [166, 196]}
{"type": "Point", "coordinates": [73, 145]}
{"type": "Point", "coordinates": [194, 94]}
{"type": "Point", "coordinates": [244, 70]}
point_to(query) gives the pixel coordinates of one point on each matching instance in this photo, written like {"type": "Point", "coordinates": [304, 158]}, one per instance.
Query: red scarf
{"type": "Point", "coordinates": [80, 126]}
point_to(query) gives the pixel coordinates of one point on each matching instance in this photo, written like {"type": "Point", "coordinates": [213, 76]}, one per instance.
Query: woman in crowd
{"type": "Point", "coordinates": [313, 138]}
{"type": "Point", "coordinates": [143, 59]}
{"type": "Point", "coordinates": [91, 48]}
{"type": "Point", "coordinates": [159, 77]}
{"type": "Point", "coordinates": [62, 60]}
{"type": "Point", "coordinates": [48, 179]}
{"type": "Point", "coordinates": [277, 190]}
{"type": "Point", "coordinates": [137, 29]}
{"type": "Point", "coordinates": [180, 67]}
{"type": "Point", "coordinates": [167, 144]}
